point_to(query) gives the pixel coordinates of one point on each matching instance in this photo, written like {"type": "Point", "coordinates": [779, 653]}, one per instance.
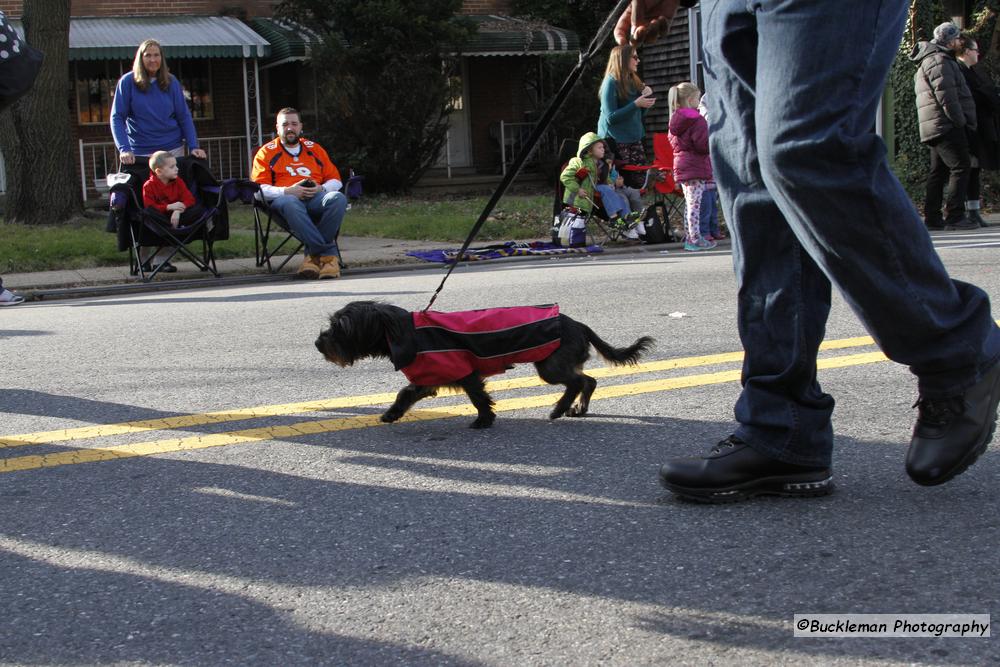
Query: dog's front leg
{"type": "Point", "coordinates": [476, 391]}
{"type": "Point", "coordinates": [405, 399]}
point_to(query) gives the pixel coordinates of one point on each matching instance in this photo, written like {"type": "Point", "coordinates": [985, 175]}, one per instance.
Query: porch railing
{"type": "Point", "coordinates": [228, 157]}
{"type": "Point", "coordinates": [513, 137]}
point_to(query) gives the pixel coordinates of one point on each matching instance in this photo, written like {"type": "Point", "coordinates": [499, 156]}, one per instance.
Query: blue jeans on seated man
{"type": "Point", "coordinates": [315, 221]}
{"type": "Point", "coordinates": [811, 201]}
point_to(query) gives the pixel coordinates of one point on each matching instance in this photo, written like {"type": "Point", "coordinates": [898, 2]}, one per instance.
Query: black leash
{"type": "Point", "coordinates": [536, 134]}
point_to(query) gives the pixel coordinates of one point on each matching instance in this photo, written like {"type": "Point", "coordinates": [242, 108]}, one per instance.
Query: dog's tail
{"type": "Point", "coordinates": [620, 356]}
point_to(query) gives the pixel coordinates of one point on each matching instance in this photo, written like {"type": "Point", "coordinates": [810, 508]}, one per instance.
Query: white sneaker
{"type": "Point", "coordinates": [8, 298]}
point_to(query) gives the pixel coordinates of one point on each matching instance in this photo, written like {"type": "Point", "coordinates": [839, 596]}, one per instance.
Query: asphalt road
{"type": "Point", "coordinates": [166, 498]}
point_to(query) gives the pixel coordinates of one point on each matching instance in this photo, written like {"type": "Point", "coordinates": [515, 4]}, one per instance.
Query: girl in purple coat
{"type": "Point", "coordinates": [692, 166]}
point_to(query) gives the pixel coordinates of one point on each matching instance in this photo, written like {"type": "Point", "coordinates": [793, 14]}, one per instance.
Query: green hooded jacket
{"type": "Point", "coordinates": [583, 160]}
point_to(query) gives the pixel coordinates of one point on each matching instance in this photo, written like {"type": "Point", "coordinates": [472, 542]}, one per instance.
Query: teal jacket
{"type": "Point", "coordinates": [583, 160]}
{"type": "Point", "coordinates": [620, 121]}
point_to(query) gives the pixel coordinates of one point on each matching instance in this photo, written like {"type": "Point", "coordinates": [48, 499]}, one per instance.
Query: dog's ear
{"type": "Point", "coordinates": [342, 325]}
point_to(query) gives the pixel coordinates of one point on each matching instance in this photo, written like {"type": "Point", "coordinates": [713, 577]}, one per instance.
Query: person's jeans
{"type": "Point", "coordinates": [708, 217]}
{"type": "Point", "coordinates": [948, 178]}
{"type": "Point", "coordinates": [612, 202]}
{"type": "Point", "coordinates": [315, 221]}
{"type": "Point", "coordinates": [810, 199]}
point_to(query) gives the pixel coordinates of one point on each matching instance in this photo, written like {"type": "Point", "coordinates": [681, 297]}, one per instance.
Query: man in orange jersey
{"type": "Point", "coordinates": [302, 185]}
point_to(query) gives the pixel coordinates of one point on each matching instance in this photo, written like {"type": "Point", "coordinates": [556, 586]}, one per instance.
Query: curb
{"type": "Point", "coordinates": [118, 288]}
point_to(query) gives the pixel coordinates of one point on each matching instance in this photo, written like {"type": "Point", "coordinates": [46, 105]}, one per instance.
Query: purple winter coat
{"type": "Point", "coordinates": [689, 139]}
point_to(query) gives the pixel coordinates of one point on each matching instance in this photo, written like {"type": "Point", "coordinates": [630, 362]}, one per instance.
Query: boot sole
{"type": "Point", "coordinates": [768, 486]}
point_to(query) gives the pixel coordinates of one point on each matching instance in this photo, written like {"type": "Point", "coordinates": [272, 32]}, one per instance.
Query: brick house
{"type": "Point", "coordinates": [239, 65]}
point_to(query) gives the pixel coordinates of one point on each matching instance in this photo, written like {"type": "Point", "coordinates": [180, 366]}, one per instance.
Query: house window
{"type": "Point", "coordinates": [196, 79]}
{"type": "Point", "coordinates": [95, 88]}
{"type": "Point", "coordinates": [95, 82]}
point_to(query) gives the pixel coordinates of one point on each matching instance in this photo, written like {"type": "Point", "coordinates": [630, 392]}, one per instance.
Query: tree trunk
{"type": "Point", "coordinates": [35, 132]}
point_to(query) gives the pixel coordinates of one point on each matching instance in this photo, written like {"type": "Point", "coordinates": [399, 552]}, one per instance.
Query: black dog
{"type": "Point", "coordinates": [458, 349]}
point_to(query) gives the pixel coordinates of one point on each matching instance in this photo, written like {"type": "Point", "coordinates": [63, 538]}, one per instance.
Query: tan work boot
{"type": "Point", "coordinates": [329, 266]}
{"type": "Point", "coordinates": [310, 268]}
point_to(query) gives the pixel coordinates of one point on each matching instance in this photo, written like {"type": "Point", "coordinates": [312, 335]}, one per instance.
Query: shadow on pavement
{"type": "Point", "coordinates": [351, 546]}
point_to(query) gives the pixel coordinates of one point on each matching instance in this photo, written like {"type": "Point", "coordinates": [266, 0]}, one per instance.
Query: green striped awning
{"type": "Point", "coordinates": [290, 41]}
{"type": "Point", "coordinates": [116, 38]}
{"type": "Point", "coordinates": [508, 36]}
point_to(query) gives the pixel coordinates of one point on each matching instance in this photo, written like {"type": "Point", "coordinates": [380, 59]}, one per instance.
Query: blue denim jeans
{"type": "Point", "coordinates": [793, 90]}
{"type": "Point", "coordinates": [315, 221]}
{"type": "Point", "coordinates": [612, 202]}
{"type": "Point", "coordinates": [708, 218]}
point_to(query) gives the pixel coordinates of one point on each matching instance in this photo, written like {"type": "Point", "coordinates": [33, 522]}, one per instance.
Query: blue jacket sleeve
{"type": "Point", "coordinates": [183, 115]}
{"type": "Point", "coordinates": [610, 105]}
{"type": "Point", "coordinates": [119, 112]}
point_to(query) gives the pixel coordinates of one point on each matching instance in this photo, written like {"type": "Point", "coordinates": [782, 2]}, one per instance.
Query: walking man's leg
{"type": "Point", "coordinates": [827, 217]}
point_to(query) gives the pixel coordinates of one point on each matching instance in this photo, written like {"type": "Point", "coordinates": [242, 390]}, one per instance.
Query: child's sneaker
{"type": "Point", "coordinates": [633, 219]}
{"type": "Point", "coordinates": [8, 298]}
{"type": "Point", "coordinates": [700, 244]}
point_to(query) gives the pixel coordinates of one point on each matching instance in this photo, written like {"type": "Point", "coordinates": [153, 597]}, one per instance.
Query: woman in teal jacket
{"type": "Point", "coordinates": [624, 100]}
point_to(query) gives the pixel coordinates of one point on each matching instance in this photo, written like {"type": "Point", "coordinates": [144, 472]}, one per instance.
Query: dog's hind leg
{"type": "Point", "coordinates": [476, 391]}
{"type": "Point", "coordinates": [559, 369]}
{"type": "Point", "coordinates": [580, 408]}
{"type": "Point", "coordinates": [405, 399]}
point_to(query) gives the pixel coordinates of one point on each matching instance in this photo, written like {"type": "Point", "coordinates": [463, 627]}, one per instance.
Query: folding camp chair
{"type": "Point", "coordinates": [138, 227]}
{"type": "Point", "coordinates": [660, 179]}
{"type": "Point", "coordinates": [268, 222]}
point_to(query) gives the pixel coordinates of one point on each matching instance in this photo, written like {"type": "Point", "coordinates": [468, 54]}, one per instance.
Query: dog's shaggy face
{"type": "Point", "coordinates": [357, 331]}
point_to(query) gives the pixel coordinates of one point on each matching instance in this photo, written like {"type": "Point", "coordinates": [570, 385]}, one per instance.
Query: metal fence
{"type": "Point", "coordinates": [228, 157]}
{"type": "Point", "coordinates": [514, 136]}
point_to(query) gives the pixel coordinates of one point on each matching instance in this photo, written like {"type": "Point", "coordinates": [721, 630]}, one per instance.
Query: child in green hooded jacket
{"type": "Point", "coordinates": [588, 172]}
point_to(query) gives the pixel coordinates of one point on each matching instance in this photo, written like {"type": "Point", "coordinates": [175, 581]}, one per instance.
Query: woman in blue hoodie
{"type": "Point", "coordinates": [150, 114]}
{"type": "Point", "coordinates": [146, 118]}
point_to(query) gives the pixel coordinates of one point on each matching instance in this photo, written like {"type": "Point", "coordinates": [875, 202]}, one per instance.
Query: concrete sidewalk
{"type": "Point", "coordinates": [361, 254]}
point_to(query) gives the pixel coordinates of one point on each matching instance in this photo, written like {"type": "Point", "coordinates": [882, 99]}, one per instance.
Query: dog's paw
{"type": "Point", "coordinates": [483, 422]}
{"type": "Point", "coordinates": [556, 414]}
{"type": "Point", "coordinates": [389, 417]}
{"type": "Point", "coordinates": [576, 411]}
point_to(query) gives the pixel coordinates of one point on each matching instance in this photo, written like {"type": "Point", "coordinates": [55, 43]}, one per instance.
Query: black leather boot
{"type": "Point", "coordinates": [951, 433]}
{"type": "Point", "coordinates": [733, 471]}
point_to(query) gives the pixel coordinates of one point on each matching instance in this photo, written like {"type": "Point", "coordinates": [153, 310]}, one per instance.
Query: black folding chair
{"type": "Point", "coordinates": [138, 227]}
{"type": "Point", "coordinates": [272, 232]}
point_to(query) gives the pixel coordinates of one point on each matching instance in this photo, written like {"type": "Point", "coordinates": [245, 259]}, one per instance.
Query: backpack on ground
{"type": "Point", "coordinates": [651, 228]}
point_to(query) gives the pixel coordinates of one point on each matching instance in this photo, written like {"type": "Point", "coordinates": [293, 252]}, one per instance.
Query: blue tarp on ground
{"type": "Point", "coordinates": [507, 249]}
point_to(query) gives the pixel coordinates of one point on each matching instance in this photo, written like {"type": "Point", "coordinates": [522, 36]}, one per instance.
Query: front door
{"type": "Point", "coordinates": [456, 152]}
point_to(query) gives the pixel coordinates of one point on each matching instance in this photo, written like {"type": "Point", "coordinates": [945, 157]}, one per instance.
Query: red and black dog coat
{"type": "Point", "coordinates": [438, 348]}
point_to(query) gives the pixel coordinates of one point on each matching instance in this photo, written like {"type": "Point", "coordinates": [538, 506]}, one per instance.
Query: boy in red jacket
{"type": "Point", "coordinates": [166, 194]}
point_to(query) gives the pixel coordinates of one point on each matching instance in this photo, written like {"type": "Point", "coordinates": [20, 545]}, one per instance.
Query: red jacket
{"type": "Point", "coordinates": [157, 194]}
{"type": "Point", "coordinates": [438, 348]}
{"type": "Point", "coordinates": [689, 139]}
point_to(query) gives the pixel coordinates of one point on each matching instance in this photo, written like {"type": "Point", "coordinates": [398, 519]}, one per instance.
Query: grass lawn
{"type": "Point", "coordinates": [85, 244]}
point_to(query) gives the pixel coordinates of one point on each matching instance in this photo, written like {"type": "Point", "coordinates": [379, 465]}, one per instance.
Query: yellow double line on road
{"type": "Point", "coordinates": [364, 421]}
